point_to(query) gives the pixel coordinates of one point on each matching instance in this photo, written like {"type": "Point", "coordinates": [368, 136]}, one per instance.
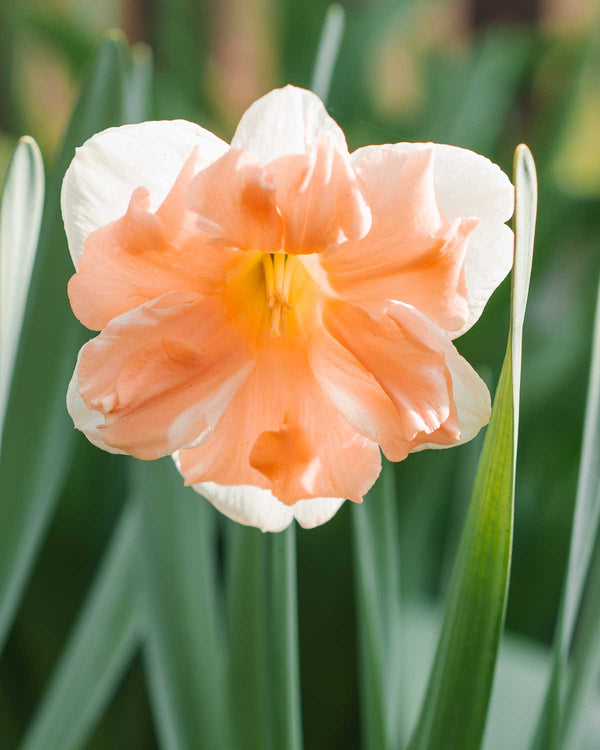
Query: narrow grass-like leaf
{"type": "Point", "coordinates": [329, 46]}
{"type": "Point", "coordinates": [34, 459]}
{"type": "Point", "coordinates": [20, 217]}
{"type": "Point", "coordinates": [247, 620]}
{"type": "Point", "coordinates": [263, 637]}
{"type": "Point", "coordinates": [98, 651]}
{"type": "Point", "coordinates": [585, 661]}
{"type": "Point", "coordinates": [584, 535]}
{"type": "Point", "coordinates": [137, 105]}
{"type": "Point", "coordinates": [184, 649]}
{"type": "Point", "coordinates": [283, 639]}
{"type": "Point", "coordinates": [456, 703]}
{"type": "Point", "coordinates": [377, 572]}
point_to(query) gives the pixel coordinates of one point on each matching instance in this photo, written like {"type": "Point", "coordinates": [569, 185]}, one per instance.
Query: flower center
{"type": "Point", "coordinates": [279, 270]}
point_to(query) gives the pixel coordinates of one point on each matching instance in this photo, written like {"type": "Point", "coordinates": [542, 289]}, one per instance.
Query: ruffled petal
{"type": "Point", "coordinates": [257, 507]}
{"type": "Point", "coordinates": [388, 376]}
{"type": "Point", "coordinates": [235, 203]}
{"type": "Point", "coordinates": [98, 185]}
{"type": "Point", "coordinates": [143, 255]}
{"type": "Point", "coordinates": [161, 375]}
{"type": "Point", "coordinates": [469, 185]}
{"type": "Point", "coordinates": [470, 394]}
{"type": "Point", "coordinates": [320, 198]}
{"type": "Point", "coordinates": [412, 254]}
{"type": "Point", "coordinates": [286, 121]}
{"type": "Point", "coordinates": [282, 433]}
{"type": "Point", "coordinates": [85, 419]}
{"type": "Point", "coordinates": [299, 203]}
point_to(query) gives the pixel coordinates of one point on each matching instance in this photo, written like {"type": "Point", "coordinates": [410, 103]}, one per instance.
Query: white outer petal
{"type": "Point", "coordinates": [253, 506]}
{"type": "Point", "coordinates": [286, 121]}
{"type": "Point", "coordinates": [468, 184]}
{"type": "Point", "coordinates": [85, 419]}
{"type": "Point", "coordinates": [104, 172]}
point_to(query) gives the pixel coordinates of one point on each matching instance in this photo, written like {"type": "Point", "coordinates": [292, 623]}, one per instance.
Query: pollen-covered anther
{"type": "Point", "coordinates": [279, 272]}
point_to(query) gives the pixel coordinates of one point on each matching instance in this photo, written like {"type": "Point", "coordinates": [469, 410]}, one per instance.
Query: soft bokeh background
{"type": "Point", "coordinates": [483, 74]}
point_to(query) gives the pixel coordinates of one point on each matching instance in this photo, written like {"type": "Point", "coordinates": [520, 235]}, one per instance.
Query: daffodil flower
{"type": "Point", "coordinates": [274, 312]}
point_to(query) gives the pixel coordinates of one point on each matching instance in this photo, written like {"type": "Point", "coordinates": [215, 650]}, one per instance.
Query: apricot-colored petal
{"type": "Point", "coordinates": [286, 121]}
{"type": "Point", "coordinates": [98, 185]}
{"type": "Point", "coordinates": [143, 255]}
{"type": "Point", "coordinates": [470, 185]}
{"type": "Point", "coordinates": [470, 394]}
{"type": "Point", "coordinates": [412, 254]}
{"type": "Point", "coordinates": [85, 419]}
{"type": "Point", "coordinates": [387, 375]}
{"type": "Point", "coordinates": [320, 198]}
{"type": "Point", "coordinates": [235, 203]}
{"type": "Point", "coordinates": [257, 507]}
{"type": "Point", "coordinates": [282, 433]}
{"type": "Point", "coordinates": [163, 374]}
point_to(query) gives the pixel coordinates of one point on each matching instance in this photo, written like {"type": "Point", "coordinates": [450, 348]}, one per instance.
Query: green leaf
{"type": "Point", "coordinates": [263, 638]}
{"type": "Point", "coordinates": [581, 697]}
{"type": "Point", "coordinates": [98, 651]}
{"type": "Point", "coordinates": [138, 85]}
{"type": "Point", "coordinates": [455, 707]}
{"type": "Point", "coordinates": [584, 536]}
{"type": "Point", "coordinates": [184, 650]}
{"type": "Point", "coordinates": [39, 435]}
{"type": "Point", "coordinates": [20, 217]}
{"type": "Point", "coordinates": [283, 640]}
{"type": "Point", "coordinates": [329, 47]}
{"type": "Point", "coordinates": [377, 572]}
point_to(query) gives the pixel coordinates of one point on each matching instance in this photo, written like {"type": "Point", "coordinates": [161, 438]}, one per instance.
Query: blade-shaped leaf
{"type": "Point", "coordinates": [98, 651]}
{"type": "Point", "coordinates": [247, 620]}
{"type": "Point", "coordinates": [377, 571]}
{"type": "Point", "coordinates": [283, 639]}
{"type": "Point", "coordinates": [263, 637]}
{"type": "Point", "coordinates": [584, 535]}
{"type": "Point", "coordinates": [39, 435]}
{"type": "Point", "coordinates": [456, 703]}
{"type": "Point", "coordinates": [582, 692]}
{"type": "Point", "coordinates": [329, 46]}
{"type": "Point", "coordinates": [137, 104]}
{"type": "Point", "coordinates": [20, 216]}
{"type": "Point", "coordinates": [184, 649]}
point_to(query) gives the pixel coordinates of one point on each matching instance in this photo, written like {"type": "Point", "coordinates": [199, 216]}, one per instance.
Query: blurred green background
{"type": "Point", "coordinates": [484, 75]}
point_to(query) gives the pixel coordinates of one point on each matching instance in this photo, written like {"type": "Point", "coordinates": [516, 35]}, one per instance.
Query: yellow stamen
{"type": "Point", "coordinates": [275, 321]}
{"type": "Point", "coordinates": [287, 278]}
{"type": "Point", "coordinates": [279, 267]}
{"type": "Point", "coordinates": [267, 261]}
{"type": "Point", "coordinates": [279, 271]}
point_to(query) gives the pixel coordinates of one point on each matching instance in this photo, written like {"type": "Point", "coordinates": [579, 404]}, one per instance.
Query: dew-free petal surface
{"type": "Point", "coordinates": [253, 506]}
{"type": "Point", "coordinates": [470, 185]}
{"type": "Point", "coordinates": [286, 121]}
{"type": "Point", "coordinates": [143, 255]}
{"type": "Point", "coordinates": [105, 171]}
{"type": "Point", "coordinates": [282, 433]}
{"type": "Point", "coordinates": [412, 253]}
{"type": "Point", "coordinates": [163, 374]}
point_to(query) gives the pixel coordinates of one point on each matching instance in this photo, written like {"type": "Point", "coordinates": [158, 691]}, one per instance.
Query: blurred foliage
{"type": "Point", "coordinates": [412, 70]}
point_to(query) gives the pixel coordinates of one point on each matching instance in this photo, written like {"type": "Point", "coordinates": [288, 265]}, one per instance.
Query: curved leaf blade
{"type": "Point", "coordinates": [98, 651]}
{"type": "Point", "coordinates": [184, 649]}
{"type": "Point", "coordinates": [263, 636]}
{"type": "Point", "coordinates": [20, 217]}
{"type": "Point", "coordinates": [34, 460]}
{"type": "Point", "coordinates": [377, 571]}
{"type": "Point", "coordinates": [584, 537]}
{"type": "Point", "coordinates": [456, 703]}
